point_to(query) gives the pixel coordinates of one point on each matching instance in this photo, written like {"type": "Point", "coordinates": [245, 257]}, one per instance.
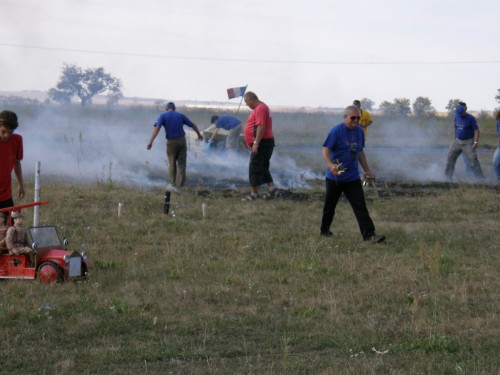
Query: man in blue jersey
{"type": "Point", "coordinates": [173, 123]}
{"type": "Point", "coordinates": [466, 138]}
{"type": "Point", "coordinates": [342, 152]}
{"type": "Point", "coordinates": [232, 125]}
{"type": "Point", "coordinates": [496, 155]}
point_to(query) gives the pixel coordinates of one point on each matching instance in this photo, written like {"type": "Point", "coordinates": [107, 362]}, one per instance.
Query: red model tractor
{"type": "Point", "coordinates": [52, 262]}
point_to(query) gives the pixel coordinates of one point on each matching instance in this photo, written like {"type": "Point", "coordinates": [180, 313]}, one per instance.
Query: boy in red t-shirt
{"type": "Point", "coordinates": [11, 154]}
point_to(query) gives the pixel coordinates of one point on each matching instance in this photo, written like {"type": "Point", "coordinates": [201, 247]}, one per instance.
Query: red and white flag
{"type": "Point", "coordinates": [234, 92]}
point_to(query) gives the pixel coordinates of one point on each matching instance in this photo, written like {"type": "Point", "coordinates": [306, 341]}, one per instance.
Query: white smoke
{"type": "Point", "coordinates": [411, 152]}
{"type": "Point", "coordinates": [116, 152]}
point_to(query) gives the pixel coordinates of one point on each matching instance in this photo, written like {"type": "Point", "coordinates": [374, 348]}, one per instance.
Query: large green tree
{"type": "Point", "coordinates": [422, 107]}
{"type": "Point", "coordinates": [400, 107]}
{"type": "Point", "coordinates": [85, 84]}
{"type": "Point", "coordinates": [452, 104]}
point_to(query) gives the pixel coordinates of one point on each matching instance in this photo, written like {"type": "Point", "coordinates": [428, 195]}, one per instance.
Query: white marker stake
{"type": "Point", "coordinates": [37, 194]}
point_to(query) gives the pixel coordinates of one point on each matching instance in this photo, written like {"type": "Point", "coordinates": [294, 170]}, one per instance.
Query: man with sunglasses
{"type": "Point", "coordinates": [342, 152]}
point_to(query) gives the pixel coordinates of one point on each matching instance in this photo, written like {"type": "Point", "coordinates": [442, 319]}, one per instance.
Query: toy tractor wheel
{"type": "Point", "coordinates": [49, 272]}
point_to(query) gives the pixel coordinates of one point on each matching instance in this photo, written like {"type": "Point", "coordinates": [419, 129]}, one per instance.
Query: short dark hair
{"type": "Point", "coordinates": [8, 119]}
{"type": "Point", "coordinates": [170, 105]}
{"type": "Point", "coordinates": [213, 119]}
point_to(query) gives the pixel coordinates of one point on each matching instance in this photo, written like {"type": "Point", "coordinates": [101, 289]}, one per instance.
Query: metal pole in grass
{"type": "Point", "coordinates": [166, 202]}
{"type": "Point", "coordinates": [166, 199]}
{"type": "Point", "coordinates": [37, 194]}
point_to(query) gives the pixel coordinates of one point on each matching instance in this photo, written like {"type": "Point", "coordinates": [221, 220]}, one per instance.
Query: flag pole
{"type": "Point", "coordinates": [242, 96]}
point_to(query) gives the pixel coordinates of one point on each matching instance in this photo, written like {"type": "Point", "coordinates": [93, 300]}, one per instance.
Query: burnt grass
{"type": "Point", "coordinates": [381, 189]}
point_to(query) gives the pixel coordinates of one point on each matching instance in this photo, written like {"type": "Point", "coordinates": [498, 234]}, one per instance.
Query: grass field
{"type": "Point", "coordinates": [251, 288]}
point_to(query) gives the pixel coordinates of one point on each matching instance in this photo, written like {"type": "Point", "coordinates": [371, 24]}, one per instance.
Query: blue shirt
{"type": "Point", "coordinates": [465, 126]}
{"type": "Point", "coordinates": [227, 122]}
{"type": "Point", "coordinates": [345, 145]}
{"type": "Point", "coordinates": [173, 121]}
{"type": "Point", "coordinates": [498, 132]}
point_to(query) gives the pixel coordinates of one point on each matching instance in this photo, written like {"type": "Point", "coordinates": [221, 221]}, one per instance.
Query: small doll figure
{"type": "Point", "coordinates": [17, 237]}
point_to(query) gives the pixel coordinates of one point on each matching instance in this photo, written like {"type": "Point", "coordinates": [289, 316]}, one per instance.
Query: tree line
{"type": "Point", "coordinates": [86, 83]}
{"type": "Point", "coordinates": [421, 107]}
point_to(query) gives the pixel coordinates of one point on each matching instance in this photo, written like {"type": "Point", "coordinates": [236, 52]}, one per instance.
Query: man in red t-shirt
{"type": "Point", "coordinates": [259, 138]}
{"type": "Point", "coordinates": [11, 154]}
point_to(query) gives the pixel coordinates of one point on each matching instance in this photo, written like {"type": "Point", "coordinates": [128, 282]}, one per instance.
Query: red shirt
{"type": "Point", "coordinates": [259, 117]}
{"type": "Point", "coordinates": [10, 152]}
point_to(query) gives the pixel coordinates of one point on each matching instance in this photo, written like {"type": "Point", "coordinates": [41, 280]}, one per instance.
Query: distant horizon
{"type": "Point", "coordinates": [42, 95]}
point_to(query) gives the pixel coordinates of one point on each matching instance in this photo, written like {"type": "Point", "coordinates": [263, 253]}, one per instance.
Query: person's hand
{"type": "Point", "coordinates": [369, 175]}
{"type": "Point", "coordinates": [20, 193]}
{"type": "Point", "coordinates": [336, 169]}
{"type": "Point", "coordinates": [149, 146]}
{"type": "Point", "coordinates": [200, 137]}
{"type": "Point", "coordinates": [255, 148]}
{"type": "Point", "coordinates": [474, 145]}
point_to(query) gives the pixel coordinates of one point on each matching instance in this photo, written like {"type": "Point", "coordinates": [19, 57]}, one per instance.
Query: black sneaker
{"type": "Point", "coordinates": [374, 238]}
{"type": "Point", "coordinates": [326, 234]}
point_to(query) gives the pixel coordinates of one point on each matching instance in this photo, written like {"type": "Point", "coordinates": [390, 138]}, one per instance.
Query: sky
{"type": "Point", "coordinates": [314, 53]}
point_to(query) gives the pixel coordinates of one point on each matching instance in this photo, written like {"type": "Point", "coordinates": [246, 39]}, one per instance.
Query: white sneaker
{"type": "Point", "coordinates": [250, 197]}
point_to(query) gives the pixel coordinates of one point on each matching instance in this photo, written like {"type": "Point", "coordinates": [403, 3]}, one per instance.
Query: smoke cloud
{"type": "Point", "coordinates": [116, 152]}
{"type": "Point", "coordinates": [74, 149]}
{"type": "Point", "coordinates": [409, 151]}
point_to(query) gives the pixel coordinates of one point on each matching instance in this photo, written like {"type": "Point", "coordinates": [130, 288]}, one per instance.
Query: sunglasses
{"type": "Point", "coordinates": [355, 118]}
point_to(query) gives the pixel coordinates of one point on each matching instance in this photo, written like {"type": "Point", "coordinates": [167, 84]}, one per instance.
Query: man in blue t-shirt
{"type": "Point", "coordinates": [232, 125]}
{"type": "Point", "coordinates": [342, 152]}
{"type": "Point", "coordinates": [496, 155]}
{"type": "Point", "coordinates": [173, 123]}
{"type": "Point", "coordinates": [465, 140]}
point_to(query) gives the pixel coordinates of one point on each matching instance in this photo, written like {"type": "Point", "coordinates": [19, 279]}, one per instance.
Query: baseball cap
{"type": "Point", "coordinates": [459, 109]}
